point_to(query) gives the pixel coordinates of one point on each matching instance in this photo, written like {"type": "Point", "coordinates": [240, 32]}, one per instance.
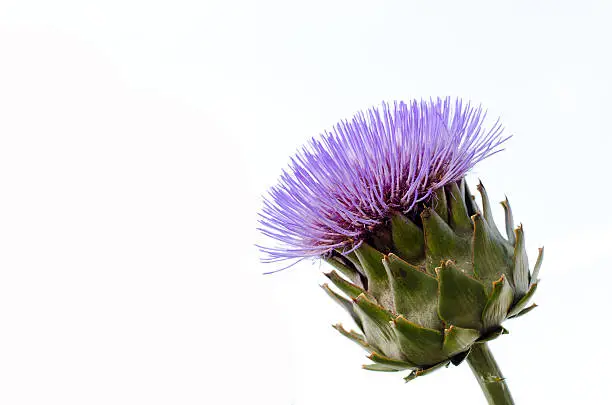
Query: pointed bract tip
{"type": "Point", "coordinates": [370, 356]}
{"type": "Point", "coordinates": [360, 298]}
{"type": "Point", "coordinates": [500, 280]}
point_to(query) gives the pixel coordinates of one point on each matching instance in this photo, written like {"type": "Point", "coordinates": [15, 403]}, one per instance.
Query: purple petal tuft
{"type": "Point", "coordinates": [383, 160]}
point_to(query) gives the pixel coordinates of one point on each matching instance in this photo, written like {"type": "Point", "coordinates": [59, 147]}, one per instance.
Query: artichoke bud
{"type": "Point", "coordinates": [422, 289]}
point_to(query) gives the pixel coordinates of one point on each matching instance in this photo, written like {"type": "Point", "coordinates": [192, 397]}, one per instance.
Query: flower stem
{"type": "Point", "coordinates": [489, 375]}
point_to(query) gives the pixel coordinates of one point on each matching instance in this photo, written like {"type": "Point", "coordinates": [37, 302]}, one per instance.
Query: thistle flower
{"type": "Point", "coordinates": [383, 199]}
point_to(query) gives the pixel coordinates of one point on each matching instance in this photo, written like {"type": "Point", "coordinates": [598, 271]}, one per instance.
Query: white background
{"type": "Point", "coordinates": [136, 139]}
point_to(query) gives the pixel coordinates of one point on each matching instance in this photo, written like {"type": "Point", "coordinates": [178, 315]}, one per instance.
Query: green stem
{"type": "Point", "coordinates": [489, 375]}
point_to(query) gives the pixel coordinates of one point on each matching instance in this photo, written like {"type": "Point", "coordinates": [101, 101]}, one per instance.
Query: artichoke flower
{"type": "Point", "coordinates": [424, 273]}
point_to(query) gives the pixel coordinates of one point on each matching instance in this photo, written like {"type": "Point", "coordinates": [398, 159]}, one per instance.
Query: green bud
{"type": "Point", "coordinates": [435, 285]}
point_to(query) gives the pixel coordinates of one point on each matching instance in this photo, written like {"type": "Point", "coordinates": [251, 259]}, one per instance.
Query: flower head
{"type": "Point", "coordinates": [340, 187]}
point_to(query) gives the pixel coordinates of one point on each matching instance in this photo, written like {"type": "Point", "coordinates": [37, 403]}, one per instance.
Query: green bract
{"type": "Point", "coordinates": [423, 290]}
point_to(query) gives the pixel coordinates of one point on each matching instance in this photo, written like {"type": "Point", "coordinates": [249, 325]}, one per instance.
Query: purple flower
{"type": "Point", "coordinates": [341, 186]}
